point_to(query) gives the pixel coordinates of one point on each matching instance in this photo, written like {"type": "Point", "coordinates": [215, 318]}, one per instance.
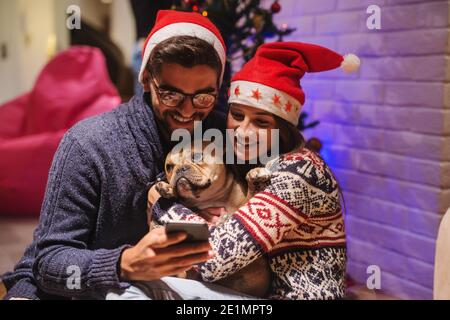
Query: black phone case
{"type": "Point", "coordinates": [195, 231]}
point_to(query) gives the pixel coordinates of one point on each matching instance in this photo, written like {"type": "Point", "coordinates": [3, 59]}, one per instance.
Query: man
{"type": "Point", "coordinates": [93, 235]}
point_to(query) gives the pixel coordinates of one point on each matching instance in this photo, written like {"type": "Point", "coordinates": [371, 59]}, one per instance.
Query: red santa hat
{"type": "Point", "coordinates": [170, 23]}
{"type": "Point", "coordinates": [271, 80]}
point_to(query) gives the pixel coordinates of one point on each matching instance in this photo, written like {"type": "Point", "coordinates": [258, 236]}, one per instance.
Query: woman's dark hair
{"type": "Point", "coordinates": [290, 136]}
{"type": "Point", "coordinates": [186, 51]}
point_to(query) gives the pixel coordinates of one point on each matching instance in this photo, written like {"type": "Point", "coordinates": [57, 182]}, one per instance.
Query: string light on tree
{"type": "Point", "coordinates": [245, 25]}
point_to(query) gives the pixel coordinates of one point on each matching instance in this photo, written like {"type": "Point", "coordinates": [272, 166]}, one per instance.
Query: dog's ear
{"type": "Point", "coordinates": [169, 166]}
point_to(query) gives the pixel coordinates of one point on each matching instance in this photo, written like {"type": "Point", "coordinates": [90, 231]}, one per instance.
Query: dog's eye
{"type": "Point", "coordinates": [169, 168]}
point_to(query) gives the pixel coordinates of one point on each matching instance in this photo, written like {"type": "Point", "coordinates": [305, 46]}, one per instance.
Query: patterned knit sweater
{"type": "Point", "coordinates": [295, 221]}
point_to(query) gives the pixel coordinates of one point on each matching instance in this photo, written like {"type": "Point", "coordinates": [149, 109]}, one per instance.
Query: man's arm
{"type": "Point", "coordinates": [67, 217]}
{"type": "Point", "coordinates": [60, 262]}
{"type": "Point", "coordinates": [63, 265]}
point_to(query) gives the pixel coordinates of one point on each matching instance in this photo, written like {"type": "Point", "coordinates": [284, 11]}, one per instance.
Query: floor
{"type": "Point", "coordinates": [15, 235]}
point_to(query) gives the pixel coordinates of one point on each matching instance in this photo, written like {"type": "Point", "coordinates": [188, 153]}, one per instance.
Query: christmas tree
{"type": "Point", "coordinates": [245, 25]}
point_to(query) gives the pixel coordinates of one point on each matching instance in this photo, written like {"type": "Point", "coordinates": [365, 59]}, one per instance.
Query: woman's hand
{"type": "Point", "coordinates": [160, 255]}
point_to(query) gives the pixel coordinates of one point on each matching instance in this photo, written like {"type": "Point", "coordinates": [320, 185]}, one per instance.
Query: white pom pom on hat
{"type": "Point", "coordinates": [351, 63]}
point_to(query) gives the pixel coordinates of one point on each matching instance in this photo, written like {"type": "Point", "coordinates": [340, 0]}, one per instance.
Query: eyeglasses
{"type": "Point", "coordinates": [175, 99]}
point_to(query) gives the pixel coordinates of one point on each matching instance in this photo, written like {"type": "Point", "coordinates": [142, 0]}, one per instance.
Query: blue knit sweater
{"type": "Point", "coordinates": [95, 204]}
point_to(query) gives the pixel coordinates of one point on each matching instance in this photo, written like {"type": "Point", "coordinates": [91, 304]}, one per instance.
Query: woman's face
{"type": "Point", "coordinates": [252, 129]}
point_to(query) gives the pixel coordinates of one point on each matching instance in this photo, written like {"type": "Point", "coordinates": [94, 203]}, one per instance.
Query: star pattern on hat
{"type": "Point", "coordinates": [288, 106]}
{"type": "Point", "coordinates": [276, 99]}
{"type": "Point", "coordinates": [237, 91]}
{"type": "Point", "coordinates": [256, 94]}
{"type": "Point", "coordinates": [267, 98]}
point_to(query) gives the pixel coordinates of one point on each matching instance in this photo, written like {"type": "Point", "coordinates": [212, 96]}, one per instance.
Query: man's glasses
{"type": "Point", "coordinates": [175, 99]}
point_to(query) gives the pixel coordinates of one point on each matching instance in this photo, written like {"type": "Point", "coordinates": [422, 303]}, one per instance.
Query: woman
{"type": "Point", "coordinates": [295, 220]}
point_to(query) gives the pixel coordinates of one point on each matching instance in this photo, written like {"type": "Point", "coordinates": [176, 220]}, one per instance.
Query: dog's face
{"type": "Point", "coordinates": [195, 174]}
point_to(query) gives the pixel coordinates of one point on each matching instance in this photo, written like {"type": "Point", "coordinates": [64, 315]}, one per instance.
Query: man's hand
{"type": "Point", "coordinates": [160, 255]}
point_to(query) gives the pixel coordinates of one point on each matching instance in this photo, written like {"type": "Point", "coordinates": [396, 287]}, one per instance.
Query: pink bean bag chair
{"type": "Point", "coordinates": [73, 86]}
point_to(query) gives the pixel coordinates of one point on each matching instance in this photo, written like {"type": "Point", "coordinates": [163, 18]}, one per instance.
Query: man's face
{"type": "Point", "coordinates": [176, 78]}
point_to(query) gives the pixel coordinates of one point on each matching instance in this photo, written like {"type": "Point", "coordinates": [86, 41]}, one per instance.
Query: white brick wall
{"type": "Point", "coordinates": [386, 130]}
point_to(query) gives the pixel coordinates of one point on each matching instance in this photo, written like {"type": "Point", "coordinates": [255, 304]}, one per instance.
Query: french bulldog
{"type": "Point", "coordinates": [199, 181]}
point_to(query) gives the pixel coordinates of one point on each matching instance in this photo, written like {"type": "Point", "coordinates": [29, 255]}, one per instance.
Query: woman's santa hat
{"type": "Point", "coordinates": [271, 80]}
{"type": "Point", "coordinates": [170, 23]}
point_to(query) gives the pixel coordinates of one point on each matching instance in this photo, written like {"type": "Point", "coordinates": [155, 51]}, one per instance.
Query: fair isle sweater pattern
{"type": "Point", "coordinates": [295, 221]}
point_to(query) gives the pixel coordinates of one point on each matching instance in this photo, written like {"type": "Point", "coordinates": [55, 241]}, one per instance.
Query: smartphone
{"type": "Point", "coordinates": [196, 231]}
